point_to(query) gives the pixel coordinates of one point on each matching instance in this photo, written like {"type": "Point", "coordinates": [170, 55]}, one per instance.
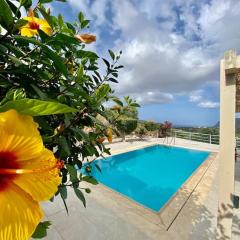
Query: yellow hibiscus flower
{"type": "Point", "coordinates": [30, 29]}
{"type": "Point", "coordinates": [28, 174]}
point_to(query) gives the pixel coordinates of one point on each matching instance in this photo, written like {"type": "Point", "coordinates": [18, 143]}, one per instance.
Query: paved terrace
{"type": "Point", "coordinates": [236, 212]}
{"type": "Point", "coordinates": [110, 216]}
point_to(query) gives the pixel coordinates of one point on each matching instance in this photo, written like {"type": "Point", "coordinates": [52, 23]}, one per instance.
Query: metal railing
{"type": "Point", "coordinates": [238, 142]}
{"type": "Point", "coordinates": [199, 137]}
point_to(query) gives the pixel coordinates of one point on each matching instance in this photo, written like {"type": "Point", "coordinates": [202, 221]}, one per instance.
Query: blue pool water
{"type": "Point", "coordinates": [149, 176]}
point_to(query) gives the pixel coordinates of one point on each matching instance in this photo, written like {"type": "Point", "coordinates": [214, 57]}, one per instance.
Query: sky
{"type": "Point", "coordinates": [171, 51]}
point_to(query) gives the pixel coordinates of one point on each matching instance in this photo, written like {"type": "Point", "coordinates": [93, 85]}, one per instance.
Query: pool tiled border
{"type": "Point", "coordinates": [168, 213]}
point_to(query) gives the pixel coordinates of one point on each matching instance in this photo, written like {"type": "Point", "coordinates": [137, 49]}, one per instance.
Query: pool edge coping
{"type": "Point", "coordinates": [175, 204]}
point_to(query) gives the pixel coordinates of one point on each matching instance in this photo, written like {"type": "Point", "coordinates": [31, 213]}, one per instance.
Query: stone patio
{"type": "Point", "coordinates": [236, 212]}
{"type": "Point", "coordinates": [110, 216]}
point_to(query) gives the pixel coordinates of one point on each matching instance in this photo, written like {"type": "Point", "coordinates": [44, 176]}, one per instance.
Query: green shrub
{"type": "Point", "coordinates": [126, 126]}
{"type": "Point", "coordinates": [140, 132]}
{"type": "Point", "coordinates": [151, 126]}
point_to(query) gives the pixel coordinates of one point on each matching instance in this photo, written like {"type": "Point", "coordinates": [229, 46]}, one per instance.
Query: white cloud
{"type": "Point", "coordinates": [208, 104]}
{"type": "Point", "coordinates": [152, 97]}
{"type": "Point", "coordinates": [196, 96]}
{"type": "Point", "coordinates": [159, 59]}
{"type": "Point", "coordinates": [218, 23]}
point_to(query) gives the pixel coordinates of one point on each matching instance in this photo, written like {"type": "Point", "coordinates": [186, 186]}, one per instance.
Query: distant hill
{"type": "Point", "coordinates": [237, 123]}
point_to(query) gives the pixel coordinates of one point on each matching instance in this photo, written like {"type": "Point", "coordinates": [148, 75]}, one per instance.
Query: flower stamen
{"type": "Point", "coordinates": [34, 26]}
{"type": "Point", "coordinates": [24, 171]}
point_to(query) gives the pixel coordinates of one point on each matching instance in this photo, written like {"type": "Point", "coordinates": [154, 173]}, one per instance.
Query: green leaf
{"type": "Point", "coordinates": [65, 39]}
{"type": "Point", "coordinates": [57, 60]}
{"type": "Point", "coordinates": [15, 60]}
{"type": "Point", "coordinates": [4, 83]}
{"type": "Point", "coordinates": [85, 23]}
{"type": "Point", "coordinates": [41, 94]}
{"type": "Point", "coordinates": [102, 92]}
{"type": "Point", "coordinates": [87, 54]}
{"type": "Point", "coordinates": [113, 80]}
{"type": "Point", "coordinates": [3, 49]}
{"type": "Point", "coordinates": [36, 107]}
{"type": "Point", "coordinates": [20, 23]}
{"type": "Point", "coordinates": [118, 67]}
{"type": "Point", "coordinates": [65, 204]}
{"type": "Point", "coordinates": [80, 73]}
{"type": "Point", "coordinates": [73, 173]}
{"type": "Point", "coordinates": [134, 105]}
{"type": "Point", "coordinates": [14, 9]}
{"type": "Point", "coordinates": [46, 15]}
{"type": "Point", "coordinates": [63, 191]}
{"type": "Point", "coordinates": [45, 1]}
{"type": "Point", "coordinates": [71, 27]}
{"type": "Point", "coordinates": [111, 53]}
{"type": "Point", "coordinates": [41, 230]}
{"type": "Point", "coordinates": [81, 134]}
{"type": "Point", "coordinates": [6, 17]}
{"type": "Point", "coordinates": [80, 17]}
{"type": "Point", "coordinates": [90, 179]}
{"type": "Point", "coordinates": [26, 3]}
{"type": "Point", "coordinates": [26, 40]}
{"type": "Point", "coordinates": [89, 150]}
{"type": "Point", "coordinates": [44, 37]}
{"type": "Point", "coordinates": [80, 195]}
{"type": "Point", "coordinates": [60, 20]}
{"type": "Point", "coordinates": [106, 62]}
{"type": "Point", "coordinates": [78, 163]}
{"type": "Point", "coordinates": [64, 145]}
{"type": "Point", "coordinates": [14, 94]}
{"type": "Point", "coordinates": [115, 75]}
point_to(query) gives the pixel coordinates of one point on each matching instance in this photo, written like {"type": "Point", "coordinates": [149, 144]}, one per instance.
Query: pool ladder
{"type": "Point", "coordinates": [169, 140]}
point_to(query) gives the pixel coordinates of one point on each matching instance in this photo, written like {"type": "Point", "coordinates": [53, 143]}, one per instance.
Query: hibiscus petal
{"type": "Point", "coordinates": [47, 30]}
{"type": "Point", "coordinates": [28, 32]}
{"type": "Point", "coordinates": [43, 182]}
{"type": "Point", "coordinates": [19, 134]}
{"type": "Point", "coordinates": [20, 214]}
{"type": "Point", "coordinates": [44, 26]}
{"type": "Point", "coordinates": [18, 124]}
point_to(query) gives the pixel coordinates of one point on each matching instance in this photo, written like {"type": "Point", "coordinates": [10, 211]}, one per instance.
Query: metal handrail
{"type": "Point", "coordinates": [200, 137]}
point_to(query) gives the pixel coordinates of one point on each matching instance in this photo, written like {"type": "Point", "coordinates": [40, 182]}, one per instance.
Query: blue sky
{"type": "Point", "coordinates": [171, 51]}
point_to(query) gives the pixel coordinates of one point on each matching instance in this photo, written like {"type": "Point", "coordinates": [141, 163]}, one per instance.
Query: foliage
{"type": "Point", "coordinates": [127, 108]}
{"type": "Point", "coordinates": [166, 125]}
{"type": "Point", "coordinates": [54, 78]}
{"type": "Point", "coordinates": [126, 125]}
{"type": "Point", "coordinates": [123, 116]}
{"type": "Point", "coordinates": [140, 131]}
{"type": "Point", "coordinates": [41, 230]}
{"type": "Point", "coordinates": [151, 126]}
{"type": "Point", "coordinates": [205, 130]}
{"type": "Point", "coordinates": [164, 129]}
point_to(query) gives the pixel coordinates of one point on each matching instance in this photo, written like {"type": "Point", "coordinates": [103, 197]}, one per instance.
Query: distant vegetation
{"type": "Point", "coordinates": [128, 123]}
{"type": "Point", "coordinates": [123, 117]}
{"type": "Point", "coordinates": [211, 130]}
{"type": "Point", "coordinates": [204, 130]}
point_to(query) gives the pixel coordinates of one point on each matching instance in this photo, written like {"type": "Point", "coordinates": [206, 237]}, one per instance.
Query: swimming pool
{"type": "Point", "coordinates": [151, 175]}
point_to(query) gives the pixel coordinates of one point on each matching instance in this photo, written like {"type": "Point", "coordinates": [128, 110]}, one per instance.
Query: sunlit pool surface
{"type": "Point", "coordinates": [151, 175]}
